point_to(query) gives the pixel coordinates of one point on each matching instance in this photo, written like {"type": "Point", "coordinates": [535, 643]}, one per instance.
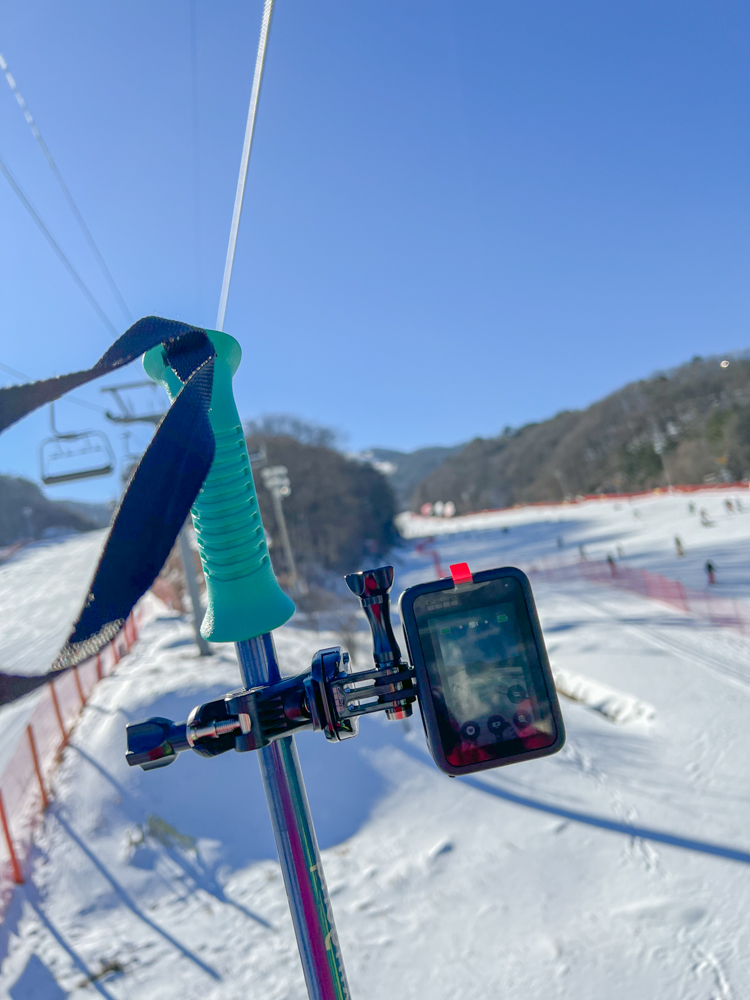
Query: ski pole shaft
{"type": "Point", "coordinates": [245, 603]}
{"type": "Point", "coordinates": [296, 842]}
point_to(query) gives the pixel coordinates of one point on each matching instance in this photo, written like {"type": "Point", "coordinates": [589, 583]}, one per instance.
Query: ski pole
{"type": "Point", "coordinates": [245, 604]}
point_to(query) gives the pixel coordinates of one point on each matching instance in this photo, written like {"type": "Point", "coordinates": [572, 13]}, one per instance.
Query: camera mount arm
{"type": "Point", "coordinates": [328, 698]}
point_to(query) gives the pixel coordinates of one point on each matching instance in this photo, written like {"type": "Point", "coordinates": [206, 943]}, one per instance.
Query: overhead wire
{"type": "Point", "coordinates": [57, 248]}
{"type": "Point", "coordinates": [244, 161]}
{"type": "Point", "coordinates": [194, 92]}
{"type": "Point", "coordinates": [65, 190]}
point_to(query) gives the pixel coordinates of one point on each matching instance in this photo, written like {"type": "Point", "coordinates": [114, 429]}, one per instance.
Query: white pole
{"type": "Point", "coordinates": [191, 578]}
{"type": "Point", "coordinates": [245, 160]}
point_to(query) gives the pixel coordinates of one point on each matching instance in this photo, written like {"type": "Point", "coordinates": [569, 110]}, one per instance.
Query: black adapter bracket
{"type": "Point", "coordinates": [329, 697]}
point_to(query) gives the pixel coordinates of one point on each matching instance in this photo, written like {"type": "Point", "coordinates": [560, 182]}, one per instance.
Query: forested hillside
{"type": "Point", "coordinates": [688, 425]}
{"type": "Point", "coordinates": [26, 513]}
{"type": "Point", "coordinates": [339, 509]}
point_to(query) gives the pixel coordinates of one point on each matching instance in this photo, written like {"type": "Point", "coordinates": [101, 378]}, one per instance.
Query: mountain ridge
{"type": "Point", "coordinates": [687, 424]}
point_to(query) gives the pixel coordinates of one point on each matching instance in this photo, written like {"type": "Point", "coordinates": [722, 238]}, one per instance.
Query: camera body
{"type": "Point", "coordinates": [483, 679]}
{"type": "Point", "coordinates": [478, 668]}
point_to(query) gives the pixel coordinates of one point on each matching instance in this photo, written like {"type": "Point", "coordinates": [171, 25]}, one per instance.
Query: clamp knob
{"type": "Point", "coordinates": [155, 742]}
{"type": "Point", "coordinates": [372, 587]}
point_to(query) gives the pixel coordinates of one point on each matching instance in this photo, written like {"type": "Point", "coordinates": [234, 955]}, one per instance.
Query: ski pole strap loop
{"type": "Point", "coordinates": [162, 488]}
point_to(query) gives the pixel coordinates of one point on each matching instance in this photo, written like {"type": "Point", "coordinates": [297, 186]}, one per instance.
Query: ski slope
{"type": "Point", "coordinates": [42, 589]}
{"type": "Point", "coordinates": [643, 528]}
{"type": "Point", "coordinates": [619, 868]}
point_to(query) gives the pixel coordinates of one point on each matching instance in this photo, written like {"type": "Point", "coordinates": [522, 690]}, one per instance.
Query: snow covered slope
{"type": "Point", "coordinates": [643, 529]}
{"type": "Point", "coordinates": [618, 868]}
{"type": "Point", "coordinates": [42, 589]}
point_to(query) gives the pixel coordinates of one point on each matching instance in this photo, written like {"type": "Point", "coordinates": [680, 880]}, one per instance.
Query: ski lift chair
{"type": "Point", "coordinates": [128, 414]}
{"type": "Point", "coordinates": [73, 455]}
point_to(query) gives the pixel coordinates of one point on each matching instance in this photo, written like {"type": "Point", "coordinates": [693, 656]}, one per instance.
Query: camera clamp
{"type": "Point", "coordinates": [329, 697]}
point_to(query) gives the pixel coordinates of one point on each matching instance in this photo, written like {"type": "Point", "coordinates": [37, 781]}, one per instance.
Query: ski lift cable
{"type": "Point", "coordinates": [65, 190]}
{"type": "Point", "coordinates": [244, 161]}
{"type": "Point", "coordinates": [194, 93]}
{"type": "Point", "coordinates": [56, 247]}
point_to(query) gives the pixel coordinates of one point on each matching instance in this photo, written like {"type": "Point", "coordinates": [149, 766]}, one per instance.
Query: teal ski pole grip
{"type": "Point", "coordinates": [244, 597]}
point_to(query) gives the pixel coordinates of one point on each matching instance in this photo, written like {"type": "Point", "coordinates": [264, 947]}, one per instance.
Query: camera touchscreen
{"type": "Point", "coordinates": [488, 685]}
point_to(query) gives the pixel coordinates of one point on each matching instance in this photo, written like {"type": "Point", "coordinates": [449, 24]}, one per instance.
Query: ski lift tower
{"type": "Point", "coordinates": [128, 414]}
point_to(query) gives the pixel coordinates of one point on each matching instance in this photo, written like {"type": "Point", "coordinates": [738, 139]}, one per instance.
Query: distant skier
{"type": "Point", "coordinates": [678, 546]}
{"type": "Point", "coordinates": [729, 506]}
{"type": "Point", "coordinates": [705, 519]}
{"type": "Point", "coordinates": [711, 572]}
{"type": "Point", "coordinates": [691, 508]}
{"type": "Point", "coordinates": [620, 552]}
{"type": "Point", "coordinates": [611, 563]}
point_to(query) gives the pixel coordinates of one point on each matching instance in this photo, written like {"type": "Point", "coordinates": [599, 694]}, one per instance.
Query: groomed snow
{"type": "Point", "coordinates": [42, 589]}
{"type": "Point", "coordinates": [644, 528]}
{"type": "Point", "coordinates": [619, 868]}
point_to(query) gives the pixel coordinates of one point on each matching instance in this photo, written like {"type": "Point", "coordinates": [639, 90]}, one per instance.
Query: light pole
{"type": "Point", "coordinates": [559, 477]}
{"type": "Point", "coordinates": [276, 481]}
{"type": "Point", "coordinates": [191, 578]}
{"type": "Point", "coordinates": [27, 512]}
{"type": "Point", "coordinates": [660, 443]}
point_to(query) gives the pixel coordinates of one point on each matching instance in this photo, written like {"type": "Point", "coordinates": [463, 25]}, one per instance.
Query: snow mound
{"type": "Point", "coordinates": [614, 705]}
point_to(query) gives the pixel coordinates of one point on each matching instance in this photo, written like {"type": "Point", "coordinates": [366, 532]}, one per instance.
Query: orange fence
{"type": "Point", "coordinates": [25, 781]}
{"type": "Point", "coordinates": [718, 610]}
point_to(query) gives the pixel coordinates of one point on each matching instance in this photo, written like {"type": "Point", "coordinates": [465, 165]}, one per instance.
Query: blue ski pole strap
{"type": "Point", "coordinates": [16, 401]}
{"type": "Point", "coordinates": [163, 487]}
{"type": "Point", "coordinates": [152, 512]}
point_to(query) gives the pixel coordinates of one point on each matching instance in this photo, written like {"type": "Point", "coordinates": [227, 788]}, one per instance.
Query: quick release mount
{"type": "Point", "coordinates": [329, 697]}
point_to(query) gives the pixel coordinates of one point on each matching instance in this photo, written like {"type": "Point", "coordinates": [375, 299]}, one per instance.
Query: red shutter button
{"type": "Point", "coordinates": [461, 573]}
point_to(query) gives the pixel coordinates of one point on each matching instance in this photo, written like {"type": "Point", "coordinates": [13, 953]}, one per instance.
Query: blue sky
{"type": "Point", "coordinates": [460, 215]}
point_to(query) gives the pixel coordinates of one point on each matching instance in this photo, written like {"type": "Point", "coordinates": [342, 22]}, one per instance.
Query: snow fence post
{"type": "Point", "coordinates": [15, 867]}
{"type": "Point", "coordinates": [58, 713]}
{"type": "Point", "coordinates": [37, 768]}
{"type": "Point", "coordinates": [79, 686]}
